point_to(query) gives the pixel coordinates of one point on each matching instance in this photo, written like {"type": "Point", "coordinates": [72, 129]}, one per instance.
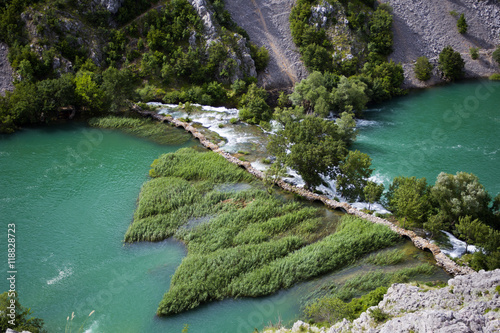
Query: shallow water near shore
{"type": "Point", "coordinates": [71, 191]}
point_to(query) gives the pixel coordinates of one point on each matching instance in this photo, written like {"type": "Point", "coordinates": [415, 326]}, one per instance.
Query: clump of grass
{"type": "Point", "coordinates": [364, 283]}
{"type": "Point", "coordinates": [191, 165]}
{"type": "Point", "coordinates": [243, 152]}
{"type": "Point", "coordinates": [386, 258]}
{"type": "Point", "coordinates": [495, 77]}
{"type": "Point", "coordinates": [143, 128]}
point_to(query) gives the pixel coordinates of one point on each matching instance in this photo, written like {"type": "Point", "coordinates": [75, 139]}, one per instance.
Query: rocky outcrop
{"type": "Point", "coordinates": [267, 24]}
{"type": "Point", "coordinates": [245, 65]}
{"type": "Point", "coordinates": [5, 71]}
{"type": "Point", "coordinates": [425, 27]}
{"type": "Point", "coordinates": [441, 259]}
{"type": "Point", "coordinates": [469, 303]}
{"type": "Point", "coordinates": [111, 6]}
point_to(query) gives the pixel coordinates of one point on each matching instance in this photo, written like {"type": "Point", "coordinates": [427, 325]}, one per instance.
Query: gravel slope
{"type": "Point", "coordinates": [425, 27]}
{"type": "Point", "coordinates": [267, 23]}
{"type": "Point", "coordinates": [5, 71]}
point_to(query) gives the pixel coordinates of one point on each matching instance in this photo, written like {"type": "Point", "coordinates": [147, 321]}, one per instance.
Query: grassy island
{"type": "Point", "coordinates": [241, 240]}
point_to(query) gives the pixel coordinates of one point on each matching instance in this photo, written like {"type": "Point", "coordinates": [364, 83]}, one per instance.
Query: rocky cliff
{"type": "Point", "coordinates": [470, 303]}
{"type": "Point", "coordinates": [425, 27]}
{"type": "Point", "coordinates": [5, 70]}
{"type": "Point", "coordinates": [267, 23]}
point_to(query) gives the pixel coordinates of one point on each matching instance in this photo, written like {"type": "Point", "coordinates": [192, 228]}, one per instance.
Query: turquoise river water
{"type": "Point", "coordinates": [449, 128]}
{"type": "Point", "coordinates": [71, 192]}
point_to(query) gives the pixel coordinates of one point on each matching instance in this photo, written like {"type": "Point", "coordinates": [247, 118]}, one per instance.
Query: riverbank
{"type": "Point", "coordinates": [441, 259]}
{"type": "Point", "coordinates": [466, 304]}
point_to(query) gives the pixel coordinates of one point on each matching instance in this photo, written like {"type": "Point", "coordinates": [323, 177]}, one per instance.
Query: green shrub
{"type": "Point", "coordinates": [495, 77]}
{"type": "Point", "coordinates": [462, 24]}
{"type": "Point", "coordinates": [496, 55]}
{"type": "Point", "coordinates": [423, 69]}
{"type": "Point", "coordinates": [260, 56]}
{"type": "Point", "coordinates": [474, 53]}
{"type": "Point", "coordinates": [451, 63]}
{"type": "Point", "coordinates": [378, 315]}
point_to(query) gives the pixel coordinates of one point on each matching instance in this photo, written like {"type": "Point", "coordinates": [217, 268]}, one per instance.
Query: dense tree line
{"type": "Point", "coordinates": [161, 55]}
{"type": "Point", "coordinates": [457, 203]}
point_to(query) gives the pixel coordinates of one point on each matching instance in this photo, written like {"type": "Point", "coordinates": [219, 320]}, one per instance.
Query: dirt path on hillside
{"type": "Point", "coordinates": [425, 27]}
{"type": "Point", "coordinates": [267, 23]}
{"type": "Point", "coordinates": [5, 71]}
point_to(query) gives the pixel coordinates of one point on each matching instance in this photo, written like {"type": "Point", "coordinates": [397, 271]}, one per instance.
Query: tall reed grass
{"type": "Point", "coordinates": [143, 128]}
{"type": "Point", "coordinates": [253, 244]}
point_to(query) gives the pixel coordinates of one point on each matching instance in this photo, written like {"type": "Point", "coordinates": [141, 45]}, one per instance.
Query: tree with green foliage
{"type": "Point", "coordinates": [312, 94]}
{"type": "Point", "coordinates": [347, 127]}
{"type": "Point", "coordinates": [462, 24]}
{"type": "Point", "coordinates": [253, 106]}
{"type": "Point", "coordinates": [350, 95]}
{"type": "Point", "coordinates": [460, 195]}
{"type": "Point", "coordinates": [423, 68]}
{"type": "Point", "coordinates": [118, 87]}
{"type": "Point", "coordinates": [260, 55]}
{"type": "Point", "coordinates": [90, 95]}
{"type": "Point", "coordinates": [373, 192]}
{"type": "Point", "coordinates": [317, 58]}
{"type": "Point", "coordinates": [384, 80]}
{"type": "Point", "coordinates": [381, 37]}
{"type": "Point", "coordinates": [22, 319]}
{"type": "Point", "coordinates": [451, 63]}
{"type": "Point", "coordinates": [353, 175]}
{"type": "Point", "coordinates": [471, 231]}
{"type": "Point", "coordinates": [408, 198]}
{"type": "Point", "coordinates": [312, 146]}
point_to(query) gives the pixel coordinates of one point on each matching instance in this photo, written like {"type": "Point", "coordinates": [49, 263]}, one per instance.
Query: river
{"type": "Point", "coordinates": [71, 192]}
{"type": "Point", "coordinates": [447, 128]}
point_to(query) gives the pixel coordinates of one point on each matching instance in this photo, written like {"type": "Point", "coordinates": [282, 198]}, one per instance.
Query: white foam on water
{"type": "Point", "coordinates": [376, 207]}
{"type": "Point", "coordinates": [211, 117]}
{"type": "Point", "coordinates": [366, 123]}
{"type": "Point", "coordinates": [259, 165]}
{"type": "Point", "coordinates": [94, 327]}
{"type": "Point", "coordinates": [457, 246]}
{"type": "Point", "coordinates": [67, 271]}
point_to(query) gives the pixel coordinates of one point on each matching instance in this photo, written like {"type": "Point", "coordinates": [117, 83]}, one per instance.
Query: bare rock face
{"type": "Point", "coordinates": [425, 27]}
{"type": "Point", "coordinates": [267, 24]}
{"type": "Point", "coordinates": [111, 6]}
{"type": "Point", "coordinates": [469, 303]}
{"type": "Point", "coordinates": [206, 15]}
{"type": "Point", "coordinates": [245, 65]}
{"type": "Point", "coordinates": [6, 77]}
